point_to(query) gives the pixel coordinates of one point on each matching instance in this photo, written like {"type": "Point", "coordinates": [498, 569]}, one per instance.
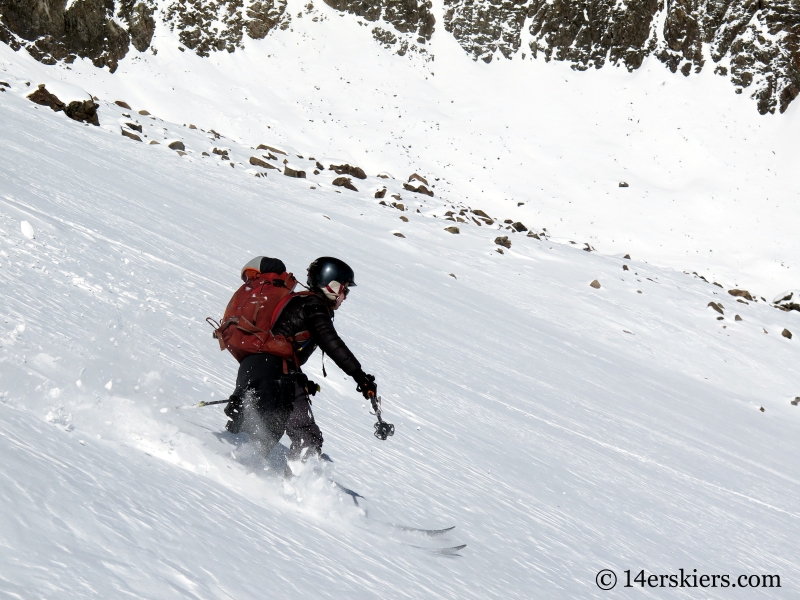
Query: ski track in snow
{"type": "Point", "coordinates": [558, 443]}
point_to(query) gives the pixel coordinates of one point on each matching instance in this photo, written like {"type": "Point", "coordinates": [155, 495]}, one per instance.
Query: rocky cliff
{"type": "Point", "coordinates": [753, 42]}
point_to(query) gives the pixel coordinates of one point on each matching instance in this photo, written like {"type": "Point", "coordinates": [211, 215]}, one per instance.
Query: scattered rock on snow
{"type": "Point", "coordinates": [787, 334]}
{"type": "Point", "coordinates": [177, 145]}
{"type": "Point", "coordinates": [257, 162]}
{"type": "Point", "coordinates": [296, 173]}
{"type": "Point", "coordinates": [399, 205]}
{"type": "Point", "coordinates": [381, 193]}
{"type": "Point", "coordinates": [417, 177]}
{"type": "Point", "coordinates": [500, 250]}
{"type": "Point", "coordinates": [404, 218]}
{"type": "Point", "coordinates": [717, 307]}
{"type": "Point", "coordinates": [345, 182]}
{"type": "Point", "coordinates": [453, 275]}
{"type": "Point", "coordinates": [134, 126]}
{"type": "Point", "coordinates": [27, 230]}
{"type": "Point", "coordinates": [122, 104]}
{"type": "Point", "coordinates": [398, 234]}
{"type": "Point", "coordinates": [532, 234]}
{"type": "Point", "coordinates": [588, 248]}
{"type": "Point", "coordinates": [192, 126]}
{"type": "Point", "coordinates": [131, 135]}
{"type": "Point", "coordinates": [741, 293]}
{"type": "Point", "coordinates": [420, 189]}
{"type": "Point", "coordinates": [623, 184]}
{"type": "Point", "coordinates": [452, 229]}
{"type": "Point", "coordinates": [595, 284]}
{"type": "Point", "coordinates": [627, 256]}
{"type": "Point", "coordinates": [271, 149]}
{"type": "Point", "coordinates": [84, 110]}
{"type": "Point", "coordinates": [144, 113]}
{"type": "Point", "coordinates": [788, 301]}
{"type": "Point", "coordinates": [625, 268]}
{"type": "Point", "coordinates": [737, 318]}
{"type": "Point", "coordinates": [503, 241]}
{"type": "Point", "coordinates": [154, 142]}
{"type": "Point", "coordinates": [796, 401]}
{"type": "Point", "coordinates": [519, 226]}
{"type": "Point", "coordinates": [346, 169]}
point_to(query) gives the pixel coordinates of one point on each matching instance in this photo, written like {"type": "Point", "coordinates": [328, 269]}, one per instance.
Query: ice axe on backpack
{"type": "Point", "coordinates": [382, 429]}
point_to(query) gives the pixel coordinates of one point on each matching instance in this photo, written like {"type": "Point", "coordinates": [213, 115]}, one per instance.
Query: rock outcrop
{"type": "Point", "coordinates": [84, 111]}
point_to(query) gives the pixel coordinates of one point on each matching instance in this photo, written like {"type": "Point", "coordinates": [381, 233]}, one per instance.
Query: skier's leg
{"type": "Point", "coordinates": [302, 430]}
{"type": "Point", "coordinates": [264, 413]}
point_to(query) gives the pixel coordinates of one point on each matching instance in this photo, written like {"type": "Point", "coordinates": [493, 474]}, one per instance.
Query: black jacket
{"type": "Point", "coordinates": [314, 314]}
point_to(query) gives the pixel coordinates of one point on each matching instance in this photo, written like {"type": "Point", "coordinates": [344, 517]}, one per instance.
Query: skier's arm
{"type": "Point", "coordinates": [322, 331]}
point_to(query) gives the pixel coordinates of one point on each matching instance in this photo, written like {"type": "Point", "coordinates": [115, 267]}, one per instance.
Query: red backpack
{"type": "Point", "coordinates": [251, 314]}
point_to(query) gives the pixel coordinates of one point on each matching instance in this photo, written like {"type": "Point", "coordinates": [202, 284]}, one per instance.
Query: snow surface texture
{"type": "Point", "coordinates": [563, 429]}
{"type": "Point", "coordinates": [709, 178]}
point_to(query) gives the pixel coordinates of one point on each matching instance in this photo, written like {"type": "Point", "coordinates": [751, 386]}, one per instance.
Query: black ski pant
{"type": "Point", "coordinates": [273, 404]}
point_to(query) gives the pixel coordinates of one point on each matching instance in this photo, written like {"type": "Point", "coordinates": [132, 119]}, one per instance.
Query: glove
{"type": "Point", "coordinates": [367, 386]}
{"type": "Point", "coordinates": [312, 388]}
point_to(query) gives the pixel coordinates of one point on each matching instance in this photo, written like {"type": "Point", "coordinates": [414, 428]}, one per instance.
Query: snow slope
{"type": "Point", "coordinates": [710, 179]}
{"type": "Point", "coordinates": [563, 429]}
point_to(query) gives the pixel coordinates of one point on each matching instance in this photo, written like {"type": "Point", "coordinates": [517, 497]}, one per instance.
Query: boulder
{"type": "Point", "coordinates": [133, 136]}
{"type": "Point", "coordinates": [534, 235]}
{"type": "Point", "coordinates": [346, 169]}
{"type": "Point", "coordinates": [134, 126]}
{"type": "Point", "coordinates": [499, 250]}
{"type": "Point", "coordinates": [177, 145]}
{"type": "Point", "coordinates": [398, 234]}
{"type": "Point", "coordinates": [480, 213]}
{"type": "Point", "coordinates": [404, 218]}
{"type": "Point", "coordinates": [595, 284]}
{"type": "Point", "coordinates": [122, 104]}
{"type": "Point", "coordinates": [796, 401]}
{"type": "Point", "coordinates": [192, 126]}
{"type": "Point", "coordinates": [787, 334]}
{"type": "Point", "coordinates": [84, 111]}
{"type": "Point", "coordinates": [345, 182]}
{"type": "Point", "coordinates": [154, 143]}
{"type": "Point", "coordinates": [257, 162]}
{"type": "Point", "coordinates": [271, 149]}
{"type": "Point", "coordinates": [788, 301]}
{"type": "Point", "coordinates": [144, 113]}
{"type": "Point", "coordinates": [452, 229]}
{"type": "Point", "coordinates": [623, 184]}
{"type": "Point", "coordinates": [737, 318]}
{"type": "Point", "coordinates": [717, 307]}
{"type": "Point", "coordinates": [420, 189]}
{"type": "Point", "coordinates": [417, 177]}
{"type": "Point", "coordinates": [741, 294]}
{"type": "Point", "coordinates": [519, 226]}
{"type": "Point", "coordinates": [627, 256]}
{"type": "Point", "coordinates": [381, 193]}
{"type": "Point", "coordinates": [503, 241]}
{"type": "Point", "coordinates": [399, 205]}
{"type": "Point", "coordinates": [296, 173]}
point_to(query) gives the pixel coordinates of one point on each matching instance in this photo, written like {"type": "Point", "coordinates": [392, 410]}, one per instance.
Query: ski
{"type": "Point", "coordinates": [428, 532]}
{"type": "Point", "coordinates": [450, 551]}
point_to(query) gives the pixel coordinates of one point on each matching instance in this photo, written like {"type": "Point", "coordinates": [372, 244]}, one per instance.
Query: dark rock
{"type": "Point", "coordinates": [134, 126]}
{"type": "Point", "coordinates": [737, 318]}
{"type": "Point", "coordinates": [413, 17]}
{"type": "Point", "coordinates": [588, 248]}
{"type": "Point", "coordinates": [155, 143]}
{"type": "Point", "coordinates": [381, 193]}
{"type": "Point", "coordinates": [627, 256]}
{"type": "Point", "coordinates": [346, 169]}
{"type": "Point", "coordinates": [296, 173]}
{"type": "Point", "coordinates": [787, 334]}
{"type": "Point", "coordinates": [177, 145]}
{"type": "Point", "coordinates": [398, 234]}
{"type": "Point", "coordinates": [418, 177]}
{"type": "Point", "coordinates": [480, 213]}
{"type": "Point", "coordinates": [382, 203]}
{"type": "Point", "coordinates": [257, 162]}
{"type": "Point", "coordinates": [719, 285]}
{"type": "Point", "coordinates": [519, 226]}
{"type": "Point", "coordinates": [741, 293]}
{"type": "Point", "coordinates": [717, 307]}
{"type": "Point", "coordinates": [133, 136]}
{"type": "Point", "coordinates": [192, 126]}
{"type": "Point", "coordinates": [144, 113]}
{"type": "Point", "coordinates": [276, 151]}
{"type": "Point", "coordinates": [122, 104]}
{"type": "Point", "coordinates": [182, 153]}
{"type": "Point", "coordinates": [84, 111]}
{"type": "Point", "coordinates": [533, 235]}
{"type": "Point", "coordinates": [625, 267]}
{"type": "Point", "coordinates": [508, 221]}
{"type": "Point", "coordinates": [345, 182]}
{"type": "Point", "coordinates": [219, 152]}
{"type": "Point", "coordinates": [399, 205]}
{"type": "Point", "coordinates": [503, 241]}
{"type": "Point", "coordinates": [595, 284]}
{"type": "Point", "coordinates": [454, 277]}
{"type": "Point", "coordinates": [499, 250]}
{"type": "Point", "coordinates": [404, 218]}
{"type": "Point", "coordinates": [452, 229]}
{"type": "Point", "coordinates": [420, 189]}
{"type": "Point", "coordinates": [623, 184]}
{"type": "Point", "coordinates": [320, 166]}
{"type": "Point", "coordinates": [796, 401]}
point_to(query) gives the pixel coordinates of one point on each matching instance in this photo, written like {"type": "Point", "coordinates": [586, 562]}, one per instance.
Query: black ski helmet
{"type": "Point", "coordinates": [326, 269]}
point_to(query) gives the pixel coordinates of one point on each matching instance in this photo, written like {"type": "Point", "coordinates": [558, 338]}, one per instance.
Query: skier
{"type": "Point", "coordinates": [272, 393]}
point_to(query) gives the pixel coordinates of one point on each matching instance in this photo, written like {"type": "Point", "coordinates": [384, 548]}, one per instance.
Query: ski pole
{"type": "Point", "coordinates": [382, 429]}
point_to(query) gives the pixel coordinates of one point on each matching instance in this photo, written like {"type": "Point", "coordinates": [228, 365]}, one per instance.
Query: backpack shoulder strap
{"type": "Point", "coordinates": [282, 304]}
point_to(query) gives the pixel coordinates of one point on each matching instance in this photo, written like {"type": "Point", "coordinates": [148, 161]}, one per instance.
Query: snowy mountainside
{"type": "Point", "coordinates": [564, 429]}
